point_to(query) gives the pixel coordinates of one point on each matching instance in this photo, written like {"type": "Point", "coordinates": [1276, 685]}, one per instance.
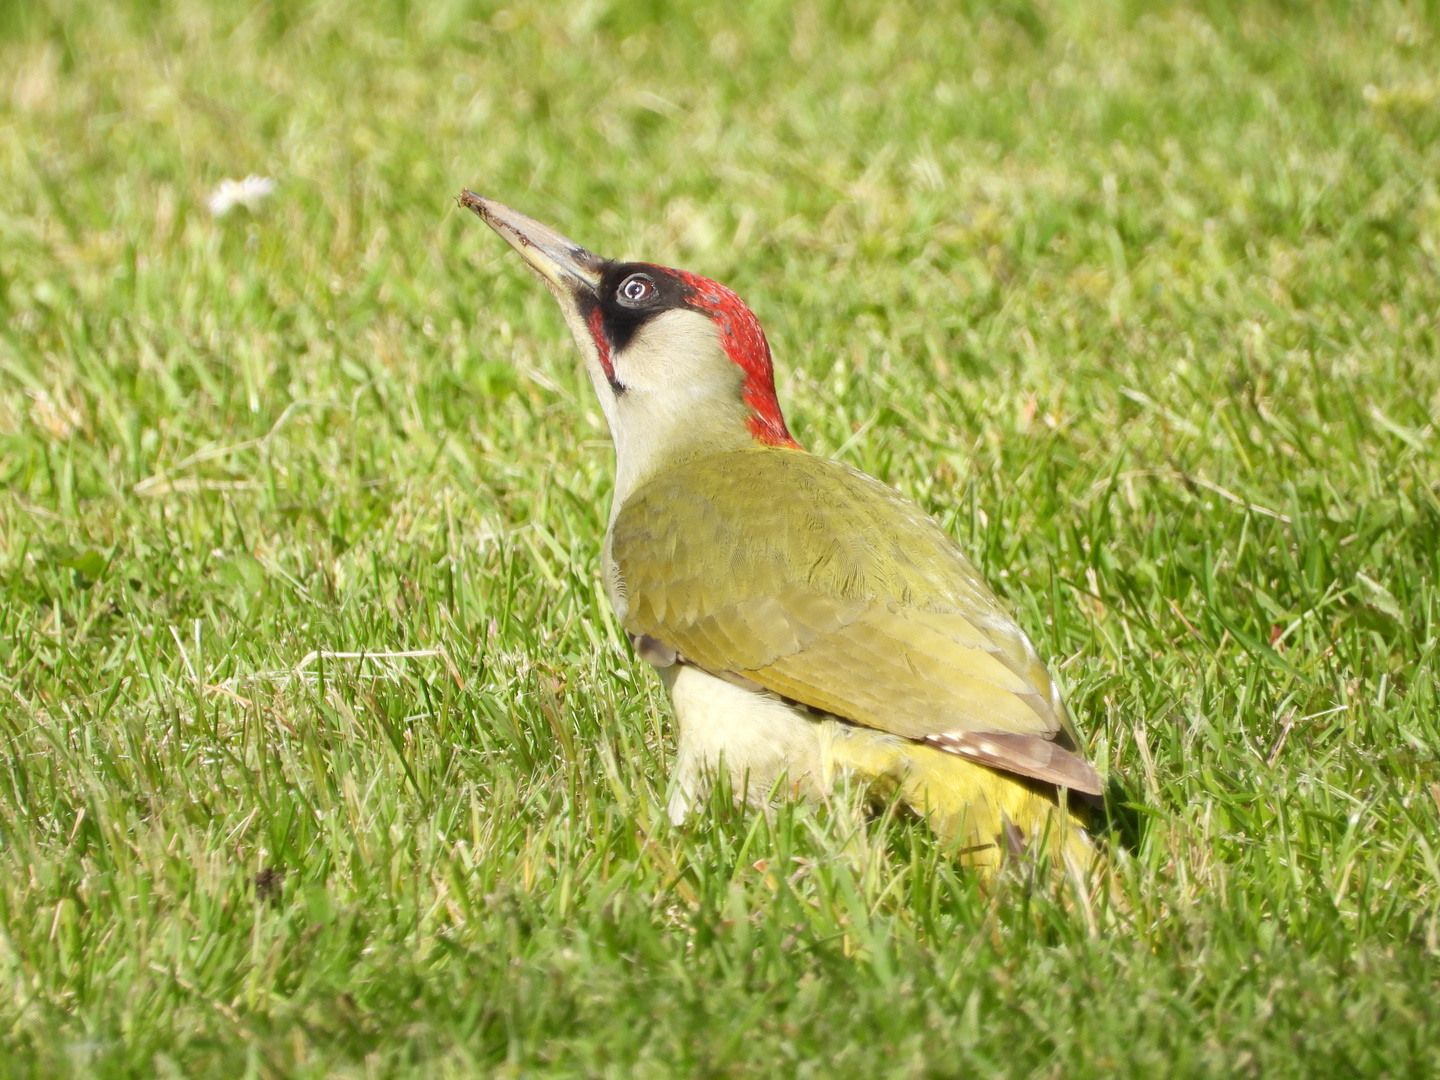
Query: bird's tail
{"type": "Point", "coordinates": [989, 815]}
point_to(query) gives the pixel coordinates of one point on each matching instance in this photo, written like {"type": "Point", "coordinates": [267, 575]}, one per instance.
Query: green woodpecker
{"type": "Point", "coordinates": [806, 619]}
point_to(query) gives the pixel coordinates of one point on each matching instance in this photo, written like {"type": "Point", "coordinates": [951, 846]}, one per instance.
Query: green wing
{"type": "Point", "coordinates": [824, 585]}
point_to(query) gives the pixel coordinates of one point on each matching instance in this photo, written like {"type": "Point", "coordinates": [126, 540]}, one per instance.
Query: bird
{"type": "Point", "coordinates": [809, 622]}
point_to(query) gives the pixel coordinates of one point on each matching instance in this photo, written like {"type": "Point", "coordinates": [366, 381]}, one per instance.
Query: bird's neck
{"type": "Point", "coordinates": [659, 444]}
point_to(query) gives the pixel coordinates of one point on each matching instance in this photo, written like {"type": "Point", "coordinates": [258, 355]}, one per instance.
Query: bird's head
{"type": "Point", "coordinates": [679, 363]}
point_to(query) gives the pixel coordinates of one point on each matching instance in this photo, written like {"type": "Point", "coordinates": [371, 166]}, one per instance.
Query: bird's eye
{"type": "Point", "coordinates": [635, 290]}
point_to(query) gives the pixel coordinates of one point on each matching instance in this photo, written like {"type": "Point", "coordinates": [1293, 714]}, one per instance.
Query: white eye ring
{"type": "Point", "coordinates": [635, 289]}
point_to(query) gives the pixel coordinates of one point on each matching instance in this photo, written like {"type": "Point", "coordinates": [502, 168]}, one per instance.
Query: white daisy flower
{"type": "Point", "coordinates": [247, 193]}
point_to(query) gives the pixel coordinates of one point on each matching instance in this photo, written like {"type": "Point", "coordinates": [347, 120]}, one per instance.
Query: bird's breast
{"type": "Point", "coordinates": [754, 735]}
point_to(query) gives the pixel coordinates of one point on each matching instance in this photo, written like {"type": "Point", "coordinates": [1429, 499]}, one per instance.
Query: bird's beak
{"type": "Point", "coordinates": [563, 264]}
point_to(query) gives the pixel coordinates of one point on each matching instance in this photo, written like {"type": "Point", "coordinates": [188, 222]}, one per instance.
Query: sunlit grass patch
{"type": "Point", "coordinates": [320, 750]}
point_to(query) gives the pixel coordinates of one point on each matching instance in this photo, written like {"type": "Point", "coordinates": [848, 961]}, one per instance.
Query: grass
{"type": "Point", "coordinates": [1139, 299]}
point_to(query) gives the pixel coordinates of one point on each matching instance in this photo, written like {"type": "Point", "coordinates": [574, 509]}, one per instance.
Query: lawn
{"type": "Point", "coordinates": [321, 753]}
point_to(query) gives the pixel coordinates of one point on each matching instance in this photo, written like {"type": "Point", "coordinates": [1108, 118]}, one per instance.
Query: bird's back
{"type": "Point", "coordinates": [828, 587]}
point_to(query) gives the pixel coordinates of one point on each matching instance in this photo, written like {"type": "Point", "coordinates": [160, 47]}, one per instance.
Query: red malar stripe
{"type": "Point", "coordinates": [602, 343]}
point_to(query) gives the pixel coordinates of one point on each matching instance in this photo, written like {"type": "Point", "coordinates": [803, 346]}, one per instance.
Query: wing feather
{"type": "Point", "coordinates": [823, 585]}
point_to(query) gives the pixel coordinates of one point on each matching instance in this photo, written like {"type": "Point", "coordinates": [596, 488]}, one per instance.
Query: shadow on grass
{"type": "Point", "coordinates": [1126, 818]}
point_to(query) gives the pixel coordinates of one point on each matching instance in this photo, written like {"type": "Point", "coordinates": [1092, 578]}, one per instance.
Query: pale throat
{"type": "Point", "coordinates": [682, 398]}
